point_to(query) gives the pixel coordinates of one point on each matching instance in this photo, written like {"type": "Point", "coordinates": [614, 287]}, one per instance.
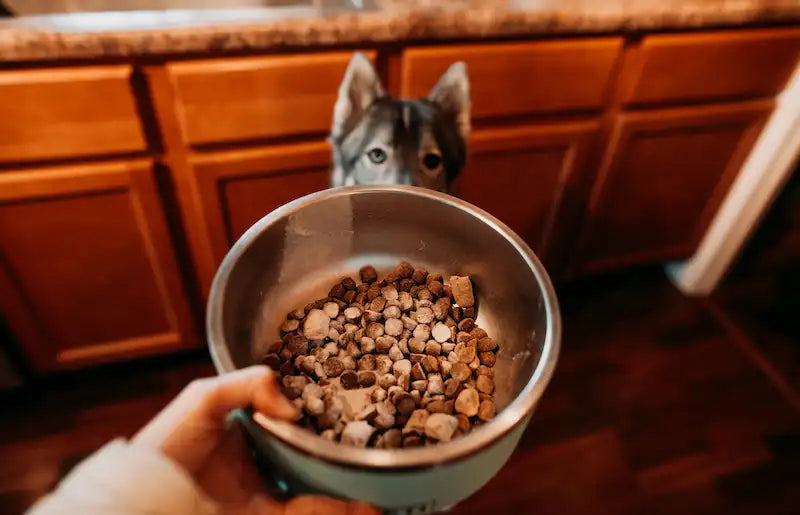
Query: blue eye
{"type": "Point", "coordinates": [377, 155]}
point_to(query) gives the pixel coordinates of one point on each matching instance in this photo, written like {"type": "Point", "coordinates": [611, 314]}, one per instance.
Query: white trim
{"type": "Point", "coordinates": [763, 174]}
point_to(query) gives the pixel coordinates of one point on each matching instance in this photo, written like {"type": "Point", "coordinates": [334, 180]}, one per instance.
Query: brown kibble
{"type": "Point", "coordinates": [386, 381]}
{"type": "Point", "coordinates": [377, 395]}
{"type": "Point", "coordinates": [384, 343]}
{"type": "Point", "coordinates": [390, 293]}
{"type": "Point", "coordinates": [465, 351]}
{"type": "Point", "coordinates": [404, 270]}
{"type": "Point", "coordinates": [409, 323]}
{"type": "Point", "coordinates": [353, 313]}
{"type": "Point", "coordinates": [290, 325]}
{"type": "Point", "coordinates": [478, 333]}
{"type": "Point", "coordinates": [353, 349]}
{"type": "Point", "coordinates": [486, 410]}
{"type": "Point", "coordinates": [406, 301]}
{"type": "Point", "coordinates": [488, 358]}
{"type": "Point", "coordinates": [422, 332]}
{"type": "Point", "coordinates": [466, 324]}
{"type": "Point", "coordinates": [333, 367]}
{"type": "Point", "coordinates": [469, 312]}
{"type": "Point", "coordinates": [367, 345]}
{"type": "Point", "coordinates": [460, 371]}
{"type": "Point", "coordinates": [416, 358]}
{"type": "Point", "coordinates": [420, 275]}
{"type": "Point", "coordinates": [424, 315]}
{"type": "Point", "coordinates": [483, 370]}
{"type": "Point", "coordinates": [441, 309]}
{"type": "Point", "coordinates": [457, 313]}
{"type": "Point", "coordinates": [486, 344]}
{"type": "Point", "coordinates": [374, 330]}
{"type": "Point", "coordinates": [425, 294]}
{"type": "Point", "coordinates": [416, 345]}
{"type": "Point", "coordinates": [373, 292]}
{"type": "Point", "coordinates": [405, 404]}
{"type": "Point", "coordinates": [349, 379]}
{"type": "Point", "coordinates": [377, 304]}
{"type": "Point", "coordinates": [405, 285]}
{"type": "Point", "coordinates": [349, 283]}
{"type": "Point", "coordinates": [412, 441]}
{"type": "Point", "coordinates": [436, 288]}
{"type": "Point", "coordinates": [297, 345]}
{"type": "Point", "coordinates": [272, 361]}
{"type": "Point", "coordinates": [401, 367]}
{"type": "Point", "coordinates": [417, 372]}
{"type": "Point", "coordinates": [366, 378]}
{"type": "Point", "coordinates": [337, 291]}
{"type": "Point", "coordinates": [420, 385]}
{"type": "Point", "coordinates": [467, 402]}
{"type": "Point", "coordinates": [367, 362]}
{"type": "Point", "coordinates": [430, 364]}
{"type": "Point", "coordinates": [393, 327]}
{"type": "Point", "coordinates": [463, 336]}
{"type": "Point", "coordinates": [416, 422]}
{"type": "Point", "coordinates": [451, 387]}
{"type": "Point", "coordinates": [349, 296]}
{"type": "Point", "coordinates": [368, 274]}
{"type": "Point", "coordinates": [392, 312]}
{"type": "Point", "coordinates": [463, 422]}
{"type": "Point", "coordinates": [433, 348]}
{"type": "Point", "coordinates": [287, 368]}
{"type": "Point", "coordinates": [484, 384]}
{"type": "Point", "coordinates": [383, 364]}
{"type": "Point", "coordinates": [444, 366]}
{"type": "Point", "coordinates": [404, 382]}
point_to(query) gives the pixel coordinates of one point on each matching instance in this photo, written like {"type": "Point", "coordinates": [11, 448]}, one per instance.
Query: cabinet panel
{"type": "Point", "coordinates": [87, 270]}
{"type": "Point", "coordinates": [238, 188]}
{"type": "Point", "coordinates": [710, 66]}
{"type": "Point", "coordinates": [664, 175]}
{"type": "Point", "coordinates": [523, 175]}
{"type": "Point", "coordinates": [258, 97]}
{"type": "Point", "coordinates": [520, 78]}
{"type": "Point", "coordinates": [68, 112]}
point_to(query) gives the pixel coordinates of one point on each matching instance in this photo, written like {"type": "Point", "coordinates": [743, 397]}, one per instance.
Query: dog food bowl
{"type": "Point", "coordinates": [293, 256]}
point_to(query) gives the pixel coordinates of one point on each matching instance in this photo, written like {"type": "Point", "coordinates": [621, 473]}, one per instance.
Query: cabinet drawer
{"type": "Point", "coordinates": [718, 65]}
{"type": "Point", "coordinates": [258, 97]}
{"type": "Point", "coordinates": [68, 112]}
{"type": "Point", "coordinates": [520, 78]}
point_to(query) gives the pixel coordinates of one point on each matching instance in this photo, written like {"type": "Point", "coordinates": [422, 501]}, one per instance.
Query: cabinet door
{"type": "Point", "coordinates": [87, 273]}
{"type": "Point", "coordinates": [527, 177]}
{"type": "Point", "coordinates": [664, 175]}
{"type": "Point", "coordinates": [238, 188]}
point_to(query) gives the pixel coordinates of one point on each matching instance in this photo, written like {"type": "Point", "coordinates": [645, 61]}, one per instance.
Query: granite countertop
{"type": "Point", "coordinates": [345, 22]}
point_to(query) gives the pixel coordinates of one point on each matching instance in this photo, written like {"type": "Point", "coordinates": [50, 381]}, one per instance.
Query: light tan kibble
{"type": "Point", "coordinates": [441, 333]}
{"type": "Point", "coordinates": [331, 309]}
{"type": "Point", "coordinates": [316, 325]}
{"type": "Point", "coordinates": [462, 291]}
{"type": "Point", "coordinates": [441, 426]}
{"type": "Point", "coordinates": [357, 433]}
{"type": "Point", "coordinates": [467, 402]}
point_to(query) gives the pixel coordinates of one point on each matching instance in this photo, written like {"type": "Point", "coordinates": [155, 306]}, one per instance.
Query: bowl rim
{"type": "Point", "coordinates": [484, 436]}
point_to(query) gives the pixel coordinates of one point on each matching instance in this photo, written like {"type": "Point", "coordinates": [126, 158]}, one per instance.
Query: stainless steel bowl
{"type": "Point", "coordinates": [293, 255]}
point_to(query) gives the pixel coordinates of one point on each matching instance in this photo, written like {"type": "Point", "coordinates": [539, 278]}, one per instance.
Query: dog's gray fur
{"type": "Point", "coordinates": [378, 139]}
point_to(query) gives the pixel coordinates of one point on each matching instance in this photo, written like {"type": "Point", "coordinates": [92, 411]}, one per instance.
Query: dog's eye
{"type": "Point", "coordinates": [431, 161]}
{"type": "Point", "coordinates": [377, 155]}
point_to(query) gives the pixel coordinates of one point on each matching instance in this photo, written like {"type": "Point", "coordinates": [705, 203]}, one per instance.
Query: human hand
{"type": "Point", "coordinates": [191, 431]}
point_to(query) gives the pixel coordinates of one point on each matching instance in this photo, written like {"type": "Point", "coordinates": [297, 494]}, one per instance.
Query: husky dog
{"type": "Point", "coordinates": [378, 139]}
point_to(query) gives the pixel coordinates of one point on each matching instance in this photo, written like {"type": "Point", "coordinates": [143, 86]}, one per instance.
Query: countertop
{"type": "Point", "coordinates": [320, 23]}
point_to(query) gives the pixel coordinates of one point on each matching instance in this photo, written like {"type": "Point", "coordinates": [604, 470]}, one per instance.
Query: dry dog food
{"type": "Point", "coordinates": [398, 362]}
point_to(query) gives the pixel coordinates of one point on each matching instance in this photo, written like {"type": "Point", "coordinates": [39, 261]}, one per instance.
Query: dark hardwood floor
{"type": "Point", "coordinates": [655, 407]}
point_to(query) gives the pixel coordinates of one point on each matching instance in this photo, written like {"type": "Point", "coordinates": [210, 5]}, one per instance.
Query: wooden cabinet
{"type": "Point", "coordinates": [257, 97]}
{"type": "Point", "coordinates": [671, 68]}
{"type": "Point", "coordinates": [87, 270]}
{"type": "Point", "coordinates": [238, 188]}
{"type": "Point", "coordinates": [523, 176]}
{"type": "Point", "coordinates": [509, 79]}
{"type": "Point", "coordinates": [68, 112]}
{"type": "Point", "coordinates": [663, 176]}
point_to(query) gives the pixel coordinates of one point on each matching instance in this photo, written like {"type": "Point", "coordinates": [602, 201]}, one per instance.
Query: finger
{"type": "Point", "coordinates": [315, 505]}
{"type": "Point", "coordinates": [254, 385]}
{"type": "Point", "coordinates": [190, 427]}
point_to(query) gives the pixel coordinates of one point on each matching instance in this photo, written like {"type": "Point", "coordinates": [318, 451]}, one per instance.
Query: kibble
{"type": "Point", "coordinates": [407, 346]}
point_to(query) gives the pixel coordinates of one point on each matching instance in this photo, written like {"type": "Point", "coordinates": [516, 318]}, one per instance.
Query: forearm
{"type": "Point", "coordinates": [126, 479]}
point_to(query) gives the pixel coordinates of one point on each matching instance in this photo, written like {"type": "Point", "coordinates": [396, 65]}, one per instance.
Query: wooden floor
{"type": "Point", "coordinates": [659, 404]}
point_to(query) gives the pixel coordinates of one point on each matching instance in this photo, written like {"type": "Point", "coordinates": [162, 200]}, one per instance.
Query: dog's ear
{"type": "Point", "coordinates": [360, 87]}
{"type": "Point", "coordinates": [451, 94]}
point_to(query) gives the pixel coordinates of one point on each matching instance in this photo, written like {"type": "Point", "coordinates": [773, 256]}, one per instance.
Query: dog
{"type": "Point", "coordinates": [378, 139]}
